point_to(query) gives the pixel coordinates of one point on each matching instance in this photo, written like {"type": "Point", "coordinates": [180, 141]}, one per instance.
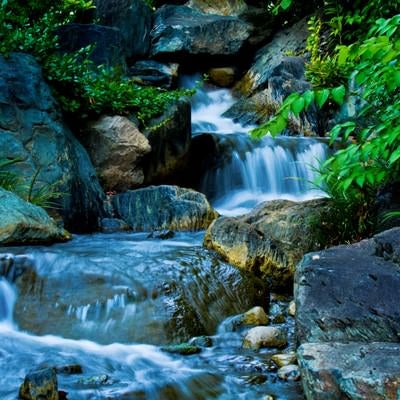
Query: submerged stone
{"type": "Point", "coordinates": [184, 349]}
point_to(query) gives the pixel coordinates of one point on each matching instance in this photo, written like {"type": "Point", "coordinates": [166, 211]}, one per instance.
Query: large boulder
{"type": "Point", "coordinates": [108, 43]}
{"type": "Point", "coordinates": [348, 320]}
{"type": "Point", "coordinates": [133, 18]}
{"type": "Point", "coordinates": [32, 130]}
{"type": "Point", "coordinates": [164, 207]}
{"type": "Point", "coordinates": [22, 222]}
{"type": "Point", "coordinates": [270, 240]}
{"type": "Point", "coordinates": [40, 384]}
{"type": "Point", "coordinates": [350, 293]}
{"type": "Point", "coordinates": [332, 371]}
{"type": "Point", "coordinates": [116, 148]}
{"type": "Point", "coordinates": [169, 137]}
{"type": "Point", "coordinates": [268, 58]}
{"type": "Point", "coordinates": [221, 7]}
{"type": "Point", "coordinates": [182, 30]}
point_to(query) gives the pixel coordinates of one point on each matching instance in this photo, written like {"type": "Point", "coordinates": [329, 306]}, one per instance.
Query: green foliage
{"type": "Point", "coordinates": [42, 195]}
{"type": "Point", "coordinates": [371, 156]}
{"type": "Point", "coordinates": [82, 88]}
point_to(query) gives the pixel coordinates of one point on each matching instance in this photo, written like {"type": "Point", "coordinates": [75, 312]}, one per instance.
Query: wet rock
{"type": "Point", "coordinates": [265, 336]}
{"type": "Point", "coordinates": [22, 222]}
{"type": "Point", "coordinates": [96, 381]}
{"type": "Point", "coordinates": [284, 359]}
{"type": "Point", "coordinates": [32, 129]}
{"type": "Point", "coordinates": [181, 30]}
{"type": "Point", "coordinates": [258, 379]}
{"type": "Point", "coordinates": [72, 369]}
{"type": "Point", "coordinates": [40, 385]}
{"type": "Point", "coordinates": [221, 7]}
{"type": "Point", "coordinates": [350, 293]}
{"type": "Point", "coordinates": [108, 43]}
{"type": "Point", "coordinates": [184, 349]}
{"type": "Point", "coordinates": [164, 207]}
{"type": "Point", "coordinates": [271, 56]}
{"type": "Point", "coordinates": [201, 341]}
{"type": "Point", "coordinates": [289, 373]}
{"type": "Point", "coordinates": [163, 235]}
{"type": "Point", "coordinates": [292, 308]}
{"type": "Point", "coordinates": [270, 240]}
{"type": "Point", "coordinates": [169, 137]}
{"type": "Point", "coordinates": [333, 371]}
{"type": "Point", "coordinates": [112, 225]}
{"type": "Point", "coordinates": [153, 73]}
{"type": "Point", "coordinates": [255, 316]}
{"type": "Point", "coordinates": [116, 147]}
{"type": "Point", "coordinates": [133, 19]}
{"type": "Point", "coordinates": [222, 76]}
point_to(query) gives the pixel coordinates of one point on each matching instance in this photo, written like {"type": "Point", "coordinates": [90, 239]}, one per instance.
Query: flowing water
{"type": "Point", "coordinates": [107, 303]}
{"type": "Point", "coordinates": [250, 172]}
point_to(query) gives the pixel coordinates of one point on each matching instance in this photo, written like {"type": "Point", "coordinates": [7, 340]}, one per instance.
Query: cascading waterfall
{"type": "Point", "coordinates": [7, 300]}
{"type": "Point", "coordinates": [252, 172]}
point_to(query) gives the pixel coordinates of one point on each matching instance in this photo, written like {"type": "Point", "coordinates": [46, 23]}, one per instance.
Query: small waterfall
{"type": "Point", "coordinates": [7, 301]}
{"type": "Point", "coordinates": [249, 172]}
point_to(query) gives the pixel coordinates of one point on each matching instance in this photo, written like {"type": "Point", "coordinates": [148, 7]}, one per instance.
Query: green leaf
{"type": "Point", "coordinates": [285, 4]}
{"type": "Point", "coordinates": [308, 97]}
{"type": "Point", "coordinates": [298, 106]}
{"type": "Point", "coordinates": [321, 97]}
{"type": "Point", "coordinates": [338, 94]}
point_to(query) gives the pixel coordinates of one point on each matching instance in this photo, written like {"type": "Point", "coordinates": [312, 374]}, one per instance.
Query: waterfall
{"type": "Point", "coordinates": [7, 300]}
{"type": "Point", "coordinates": [248, 171]}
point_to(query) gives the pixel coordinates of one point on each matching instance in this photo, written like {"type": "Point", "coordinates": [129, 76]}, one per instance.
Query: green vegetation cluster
{"type": "Point", "coordinates": [82, 88]}
{"type": "Point", "coordinates": [354, 52]}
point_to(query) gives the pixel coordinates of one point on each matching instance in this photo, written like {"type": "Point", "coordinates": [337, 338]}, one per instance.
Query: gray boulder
{"type": "Point", "coordinates": [133, 18]}
{"type": "Point", "coordinates": [116, 147]}
{"type": "Point", "coordinates": [182, 30]}
{"type": "Point", "coordinates": [268, 58]}
{"type": "Point", "coordinates": [221, 7]}
{"type": "Point", "coordinates": [164, 207]}
{"type": "Point", "coordinates": [270, 240]}
{"type": "Point", "coordinates": [22, 222]}
{"type": "Point", "coordinates": [169, 137]}
{"type": "Point", "coordinates": [109, 44]}
{"type": "Point", "coordinates": [32, 130]}
{"type": "Point", "coordinates": [332, 371]}
{"type": "Point", "coordinates": [154, 73]}
{"type": "Point", "coordinates": [350, 293]}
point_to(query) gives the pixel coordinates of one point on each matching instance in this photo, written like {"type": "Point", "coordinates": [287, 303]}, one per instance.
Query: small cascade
{"type": "Point", "coordinates": [249, 172]}
{"type": "Point", "coordinates": [7, 301]}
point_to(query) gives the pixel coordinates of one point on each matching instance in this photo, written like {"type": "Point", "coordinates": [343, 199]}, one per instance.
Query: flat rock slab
{"type": "Point", "coordinates": [350, 293]}
{"type": "Point", "coordinates": [333, 371]}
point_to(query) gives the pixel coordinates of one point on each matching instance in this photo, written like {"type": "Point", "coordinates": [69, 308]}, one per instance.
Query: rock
{"type": "Point", "coordinates": [116, 148]}
{"type": "Point", "coordinates": [180, 30]}
{"type": "Point", "coordinates": [271, 239]}
{"type": "Point", "coordinates": [268, 58]}
{"type": "Point", "coordinates": [40, 385]}
{"type": "Point", "coordinates": [350, 293]}
{"type": "Point", "coordinates": [258, 379]}
{"type": "Point", "coordinates": [201, 341]}
{"type": "Point", "coordinates": [255, 316]}
{"type": "Point", "coordinates": [154, 73]}
{"type": "Point", "coordinates": [265, 336]}
{"type": "Point", "coordinates": [169, 138]}
{"type": "Point", "coordinates": [22, 222]}
{"type": "Point", "coordinates": [73, 369]}
{"type": "Point", "coordinates": [286, 78]}
{"type": "Point", "coordinates": [96, 381]}
{"type": "Point", "coordinates": [112, 225]}
{"type": "Point", "coordinates": [164, 207]}
{"type": "Point", "coordinates": [184, 349]}
{"type": "Point", "coordinates": [109, 44]}
{"type": "Point", "coordinates": [284, 359]}
{"type": "Point", "coordinates": [292, 308]}
{"type": "Point", "coordinates": [162, 235]}
{"type": "Point", "coordinates": [32, 129]}
{"type": "Point", "coordinates": [221, 7]}
{"type": "Point", "coordinates": [222, 76]}
{"type": "Point", "coordinates": [289, 373]}
{"type": "Point", "coordinates": [333, 371]}
{"type": "Point", "coordinates": [133, 19]}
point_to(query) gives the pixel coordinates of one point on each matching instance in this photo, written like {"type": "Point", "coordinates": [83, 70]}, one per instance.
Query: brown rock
{"type": "Point", "coordinates": [223, 76]}
{"type": "Point", "coordinates": [116, 147]}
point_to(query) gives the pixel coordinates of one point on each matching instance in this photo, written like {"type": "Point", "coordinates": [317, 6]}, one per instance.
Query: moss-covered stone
{"type": "Point", "coordinates": [184, 349]}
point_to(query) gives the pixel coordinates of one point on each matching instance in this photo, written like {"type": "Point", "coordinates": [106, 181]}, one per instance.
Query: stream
{"type": "Point", "coordinates": [109, 302]}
